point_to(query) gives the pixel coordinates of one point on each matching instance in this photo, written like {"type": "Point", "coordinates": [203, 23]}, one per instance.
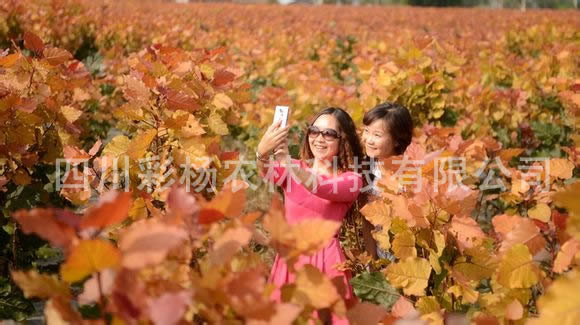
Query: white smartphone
{"type": "Point", "coordinates": [281, 114]}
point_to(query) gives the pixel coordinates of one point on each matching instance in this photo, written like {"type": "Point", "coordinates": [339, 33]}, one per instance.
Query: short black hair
{"type": "Point", "coordinates": [399, 121]}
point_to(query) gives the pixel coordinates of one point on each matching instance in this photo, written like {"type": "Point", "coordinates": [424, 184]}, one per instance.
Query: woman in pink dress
{"type": "Point", "coordinates": [324, 183]}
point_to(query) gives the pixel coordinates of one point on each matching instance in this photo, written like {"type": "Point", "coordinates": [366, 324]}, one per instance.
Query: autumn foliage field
{"type": "Point", "coordinates": [107, 108]}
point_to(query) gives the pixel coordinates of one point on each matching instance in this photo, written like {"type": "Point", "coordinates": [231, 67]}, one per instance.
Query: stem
{"type": "Point", "coordinates": [15, 244]}
{"type": "Point", "coordinates": [102, 301]}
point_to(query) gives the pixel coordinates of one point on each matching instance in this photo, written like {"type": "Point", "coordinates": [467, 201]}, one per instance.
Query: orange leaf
{"type": "Point", "coordinates": [228, 203]}
{"type": "Point", "coordinates": [566, 255]}
{"type": "Point", "coordinates": [228, 244]}
{"type": "Point", "coordinates": [56, 56]}
{"type": "Point", "coordinates": [88, 257]}
{"type": "Point", "coordinates": [561, 168]}
{"type": "Point", "coordinates": [9, 60]}
{"type": "Point", "coordinates": [525, 232]}
{"type": "Point", "coordinates": [467, 231]}
{"type": "Point", "coordinates": [34, 284]}
{"type": "Point", "coordinates": [246, 294]}
{"type": "Point", "coordinates": [504, 223]}
{"type": "Point", "coordinates": [222, 77]}
{"type": "Point", "coordinates": [112, 208]}
{"type": "Point", "coordinates": [136, 90]}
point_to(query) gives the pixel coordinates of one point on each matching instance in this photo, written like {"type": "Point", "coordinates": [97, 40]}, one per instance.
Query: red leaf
{"type": "Point", "coordinates": [169, 308]}
{"type": "Point", "coordinates": [222, 77]}
{"type": "Point", "coordinates": [113, 207]}
{"type": "Point", "coordinates": [27, 105]}
{"type": "Point", "coordinates": [50, 224]}
{"type": "Point", "coordinates": [148, 242]}
{"type": "Point", "coordinates": [366, 313]}
{"type": "Point", "coordinates": [33, 43]}
{"type": "Point", "coordinates": [229, 155]}
{"type": "Point", "coordinates": [559, 219]}
{"type": "Point", "coordinates": [178, 100]}
{"type": "Point", "coordinates": [182, 207]}
{"type": "Point", "coordinates": [208, 216]}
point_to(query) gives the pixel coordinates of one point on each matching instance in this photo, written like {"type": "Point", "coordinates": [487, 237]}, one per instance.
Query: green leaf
{"type": "Point", "coordinates": [374, 287]}
{"type": "Point", "coordinates": [13, 305]}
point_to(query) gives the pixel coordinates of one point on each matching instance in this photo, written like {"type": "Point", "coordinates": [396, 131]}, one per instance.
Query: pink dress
{"type": "Point", "coordinates": [333, 197]}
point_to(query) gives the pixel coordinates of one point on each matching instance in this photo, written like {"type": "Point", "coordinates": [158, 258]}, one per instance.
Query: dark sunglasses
{"type": "Point", "coordinates": [327, 134]}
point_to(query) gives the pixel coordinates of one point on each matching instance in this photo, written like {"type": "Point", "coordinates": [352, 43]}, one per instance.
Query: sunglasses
{"type": "Point", "coordinates": [327, 134]}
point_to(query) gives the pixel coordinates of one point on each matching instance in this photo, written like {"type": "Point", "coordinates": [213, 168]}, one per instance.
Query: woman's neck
{"type": "Point", "coordinates": [322, 166]}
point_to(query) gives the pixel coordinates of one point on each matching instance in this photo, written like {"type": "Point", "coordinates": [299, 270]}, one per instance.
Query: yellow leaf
{"type": "Point", "coordinates": [497, 115]}
{"type": "Point", "coordinates": [434, 261]}
{"type": "Point", "coordinates": [383, 239]}
{"type": "Point", "coordinates": [561, 302]}
{"type": "Point", "coordinates": [117, 146]}
{"type": "Point", "coordinates": [434, 318]}
{"type": "Point", "coordinates": [437, 113]}
{"type": "Point", "coordinates": [222, 101]}
{"type": "Point", "coordinates": [516, 270]}
{"type": "Point", "coordinates": [207, 70]}
{"type": "Point", "coordinates": [540, 212]}
{"type": "Point", "coordinates": [427, 305]}
{"type": "Point", "coordinates": [70, 113]}
{"type": "Point", "coordinates": [129, 112]}
{"type": "Point", "coordinates": [34, 284]}
{"type": "Point", "coordinates": [481, 264]}
{"type": "Point", "coordinates": [313, 288]}
{"type": "Point", "coordinates": [138, 209]}
{"type": "Point", "coordinates": [302, 238]}
{"type": "Point", "coordinates": [139, 145]}
{"type": "Point", "coordinates": [466, 292]}
{"type": "Point", "coordinates": [88, 257]}
{"type": "Point", "coordinates": [398, 225]}
{"type": "Point", "coordinates": [217, 125]}
{"type": "Point", "coordinates": [377, 213]}
{"type": "Point", "coordinates": [411, 274]}
{"type": "Point", "coordinates": [80, 95]}
{"type": "Point", "coordinates": [569, 200]}
{"type": "Point", "coordinates": [404, 245]}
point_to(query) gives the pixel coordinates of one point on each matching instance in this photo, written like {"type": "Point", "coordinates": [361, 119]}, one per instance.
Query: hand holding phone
{"type": "Point", "coordinates": [281, 114]}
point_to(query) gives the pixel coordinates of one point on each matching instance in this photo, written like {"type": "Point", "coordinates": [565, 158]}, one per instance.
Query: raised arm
{"type": "Point", "coordinates": [272, 142]}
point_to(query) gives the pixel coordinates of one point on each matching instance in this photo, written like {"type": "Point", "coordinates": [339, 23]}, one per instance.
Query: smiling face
{"type": "Point", "coordinates": [322, 148]}
{"type": "Point", "coordinates": [377, 140]}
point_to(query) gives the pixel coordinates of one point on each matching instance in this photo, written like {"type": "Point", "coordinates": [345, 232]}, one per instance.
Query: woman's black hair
{"type": "Point", "coordinates": [398, 120]}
